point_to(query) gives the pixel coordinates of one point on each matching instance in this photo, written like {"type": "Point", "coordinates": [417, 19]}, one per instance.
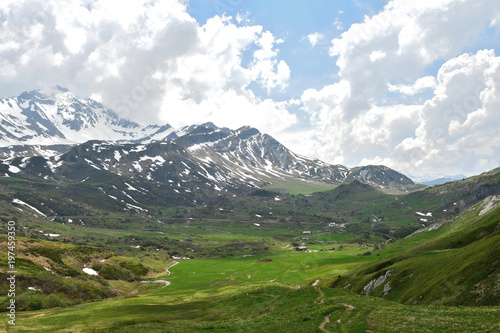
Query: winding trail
{"type": "Point", "coordinates": [327, 317]}
{"type": "Point", "coordinates": [167, 283]}
{"type": "Point", "coordinates": [349, 307]}
{"type": "Point", "coordinates": [167, 270]}
{"type": "Point", "coordinates": [321, 297]}
{"type": "Point", "coordinates": [326, 321]}
{"type": "Point", "coordinates": [369, 322]}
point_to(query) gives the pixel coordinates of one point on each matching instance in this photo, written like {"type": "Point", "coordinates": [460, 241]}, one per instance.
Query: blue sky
{"type": "Point", "coordinates": [293, 21]}
{"type": "Point", "coordinates": [413, 85]}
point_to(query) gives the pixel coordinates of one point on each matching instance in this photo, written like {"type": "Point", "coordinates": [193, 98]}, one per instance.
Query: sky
{"type": "Point", "coordinates": [413, 85]}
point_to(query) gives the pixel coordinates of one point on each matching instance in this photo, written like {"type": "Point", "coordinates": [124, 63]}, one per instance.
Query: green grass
{"type": "Point", "coordinates": [295, 186]}
{"type": "Point", "coordinates": [247, 295]}
{"type": "Point", "coordinates": [457, 264]}
{"type": "Point", "coordinates": [269, 308]}
{"type": "Point", "coordinates": [227, 289]}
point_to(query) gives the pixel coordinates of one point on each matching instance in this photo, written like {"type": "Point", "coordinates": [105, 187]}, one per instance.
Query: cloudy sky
{"type": "Point", "coordinates": [413, 85]}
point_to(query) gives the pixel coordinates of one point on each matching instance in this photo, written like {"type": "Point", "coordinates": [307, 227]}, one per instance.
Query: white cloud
{"type": "Point", "coordinates": [354, 121]}
{"type": "Point", "coordinates": [151, 61]}
{"type": "Point", "coordinates": [338, 23]}
{"type": "Point", "coordinates": [315, 38]}
{"type": "Point", "coordinates": [459, 127]}
{"type": "Point", "coordinates": [454, 132]}
{"type": "Point", "coordinates": [265, 68]}
{"type": "Point", "coordinates": [148, 60]}
{"type": "Point", "coordinates": [402, 40]}
{"type": "Point", "coordinates": [421, 84]}
{"type": "Point", "coordinates": [377, 55]}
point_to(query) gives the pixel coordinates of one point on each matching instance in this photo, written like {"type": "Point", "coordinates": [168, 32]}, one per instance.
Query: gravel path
{"type": "Point", "coordinates": [167, 283]}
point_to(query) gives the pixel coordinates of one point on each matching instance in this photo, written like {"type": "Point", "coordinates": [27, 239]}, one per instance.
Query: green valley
{"type": "Point", "coordinates": [348, 259]}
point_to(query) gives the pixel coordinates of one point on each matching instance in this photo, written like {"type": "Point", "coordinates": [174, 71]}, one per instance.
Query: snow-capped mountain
{"type": "Point", "coordinates": [69, 132]}
{"type": "Point", "coordinates": [60, 118]}
{"type": "Point", "coordinates": [205, 157]}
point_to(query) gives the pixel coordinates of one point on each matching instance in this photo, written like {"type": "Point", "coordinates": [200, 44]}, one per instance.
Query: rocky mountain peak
{"type": "Point", "coordinates": [205, 154]}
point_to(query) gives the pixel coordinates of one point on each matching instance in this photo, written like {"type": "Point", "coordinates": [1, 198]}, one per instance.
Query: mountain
{"type": "Point", "coordinates": [452, 262]}
{"type": "Point", "coordinates": [453, 197]}
{"type": "Point", "coordinates": [66, 130]}
{"type": "Point", "coordinates": [437, 181]}
{"type": "Point", "coordinates": [354, 191]}
{"type": "Point", "coordinates": [442, 180]}
{"type": "Point", "coordinates": [60, 118]}
{"type": "Point", "coordinates": [379, 176]}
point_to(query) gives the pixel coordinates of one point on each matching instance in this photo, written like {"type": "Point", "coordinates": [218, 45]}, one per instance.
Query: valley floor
{"type": "Point", "coordinates": [247, 295]}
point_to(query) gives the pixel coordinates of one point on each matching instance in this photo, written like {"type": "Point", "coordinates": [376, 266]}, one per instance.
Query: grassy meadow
{"type": "Point", "coordinates": [271, 292]}
{"type": "Point", "coordinates": [244, 273]}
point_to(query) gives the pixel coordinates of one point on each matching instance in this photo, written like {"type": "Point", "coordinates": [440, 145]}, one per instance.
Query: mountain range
{"type": "Point", "coordinates": [55, 130]}
{"type": "Point", "coordinates": [104, 208]}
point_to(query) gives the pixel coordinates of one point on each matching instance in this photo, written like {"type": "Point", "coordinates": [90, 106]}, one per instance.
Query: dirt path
{"type": "Point", "coordinates": [348, 306]}
{"type": "Point", "coordinates": [327, 317]}
{"type": "Point", "coordinates": [167, 283]}
{"type": "Point", "coordinates": [326, 321]}
{"type": "Point", "coordinates": [370, 322]}
{"type": "Point", "coordinates": [167, 270]}
{"type": "Point", "coordinates": [321, 297]}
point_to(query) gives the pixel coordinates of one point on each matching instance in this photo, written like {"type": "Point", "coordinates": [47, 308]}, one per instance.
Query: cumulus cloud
{"type": "Point", "coordinates": [459, 127]}
{"type": "Point", "coordinates": [356, 121]}
{"type": "Point", "coordinates": [315, 38]}
{"type": "Point", "coordinates": [148, 60]}
{"type": "Point", "coordinates": [402, 40]}
{"type": "Point", "coordinates": [421, 84]}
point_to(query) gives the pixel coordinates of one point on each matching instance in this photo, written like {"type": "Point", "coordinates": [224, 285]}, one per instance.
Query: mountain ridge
{"type": "Point", "coordinates": [41, 124]}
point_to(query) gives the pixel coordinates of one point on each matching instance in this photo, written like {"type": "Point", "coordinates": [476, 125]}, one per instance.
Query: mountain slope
{"type": "Point", "coordinates": [453, 197]}
{"type": "Point", "coordinates": [454, 262]}
{"type": "Point", "coordinates": [47, 124]}
{"type": "Point", "coordinates": [60, 118]}
{"type": "Point", "coordinates": [379, 176]}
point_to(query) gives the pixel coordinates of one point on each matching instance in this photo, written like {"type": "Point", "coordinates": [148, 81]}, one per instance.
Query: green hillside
{"type": "Point", "coordinates": [258, 260]}
{"type": "Point", "coordinates": [455, 262]}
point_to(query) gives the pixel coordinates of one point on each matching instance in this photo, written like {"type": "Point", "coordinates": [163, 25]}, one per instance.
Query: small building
{"type": "Point", "coordinates": [307, 233]}
{"type": "Point", "coordinates": [301, 248]}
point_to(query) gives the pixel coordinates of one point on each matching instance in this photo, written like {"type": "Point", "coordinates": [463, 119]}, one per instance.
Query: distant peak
{"type": "Point", "coordinates": [209, 125]}
{"type": "Point", "coordinates": [61, 89]}
{"type": "Point", "coordinates": [45, 93]}
{"type": "Point", "coordinates": [246, 132]}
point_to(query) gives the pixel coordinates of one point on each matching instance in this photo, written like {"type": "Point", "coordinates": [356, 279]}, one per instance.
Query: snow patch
{"type": "Point", "coordinates": [422, 214]}
{"type": "Point", "coordinates": [136, 207]}
{"type": "Point", "coordinates": [157, 159]}
{"type": "Point", "coordinates": [19, 202]}
{"type": "Point", "coordinates": [138, 149]}
{"type": "Point", "coordinates": [14, 169]}
{"type": "Point", "coordinates": [90, 271]}
{"type": "Point", "coordinates": [137, 166]}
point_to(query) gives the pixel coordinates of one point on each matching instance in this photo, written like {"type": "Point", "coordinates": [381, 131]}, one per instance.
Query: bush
{"type": "Point", "coordinates": [137, 269]}
{"type": "Point", "coordinates": [113, 273]}
{"type": "Point", "coordinates": [266, 259]}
